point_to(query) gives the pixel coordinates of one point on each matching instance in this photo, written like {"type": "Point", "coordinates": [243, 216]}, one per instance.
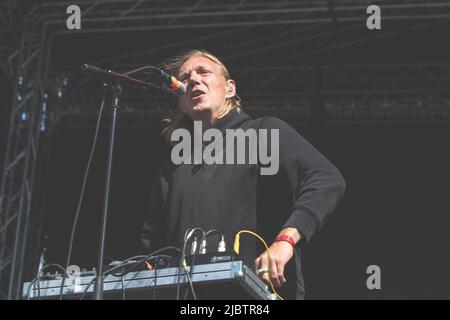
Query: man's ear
{"type": "Point", "coordinates": [231, 89]}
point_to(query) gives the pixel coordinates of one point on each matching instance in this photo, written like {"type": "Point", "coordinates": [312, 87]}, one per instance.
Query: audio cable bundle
{"type": "Point", "coordinates": [200, 251]}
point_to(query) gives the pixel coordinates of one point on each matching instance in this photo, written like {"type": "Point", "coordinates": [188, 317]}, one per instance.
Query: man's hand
{"type": "Point", "coordinates": [280, 254]}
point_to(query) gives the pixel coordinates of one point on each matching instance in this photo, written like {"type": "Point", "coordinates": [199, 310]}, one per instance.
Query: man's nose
{"type": "Point", "coordinates": [194, 78]}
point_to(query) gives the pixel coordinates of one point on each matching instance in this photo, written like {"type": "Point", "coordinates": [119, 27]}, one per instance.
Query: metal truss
{"type": "Point", "coordinates": [390, 92]}
{"type": "Point", "coordinates": [18, 178]}
{"type": "Point", "coordinates": [362, 93]}
{"type": "Point", "coordinates": [261, 48]}
{"type": "Point", "coordinates": [127, 15]}
{"type": "Point", "coordinates": [9, 40]}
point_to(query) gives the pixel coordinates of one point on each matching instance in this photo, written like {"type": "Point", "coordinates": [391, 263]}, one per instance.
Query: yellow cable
{"type": "Point", "coordinates": [236, 249]}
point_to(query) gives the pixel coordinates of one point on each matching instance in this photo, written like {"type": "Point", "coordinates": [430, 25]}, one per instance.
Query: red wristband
{"type": "Point", "coordinates": [287, 238]}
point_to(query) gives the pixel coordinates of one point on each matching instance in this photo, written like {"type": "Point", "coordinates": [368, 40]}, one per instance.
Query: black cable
{"type": "Point", "coordinates": [135, 264]}
{"type": "Point", "coordinates": [155, 269]}
{"type": "Point", "coordinates": [183, 255]}
{"type": "Point", "coordinates": [205, 235]}
{"type": "Point", "coordinates": [156, 279]}
{"type": "Point", "coordinates": [39, 275]}
{"type": "Point", "coordinates": [180, 265]}
{"type": "Point", "coordinates": [145, 258]}
{"type": "Point", "coordinates": [80, 201]}
{"type": "Point", "coordinates": [191, 285]}
{"type": "Point", "coordinates": [87, 288]}
{"type": "Point", "coordinates": [123, 264]}
{"type": "Point", "coordinates": [211, 232]}
{"type": "Point", "coordinates": [123, 286]}
{"type": "Point", "coordinates": [37, 278]}
{"type": "Point", "coordinates": [153, 68]}
{"type": "Point", "coordinates": [143, 68]}
{"type": "Point", "coordinates": [105, 273]}
{"type": "Point", "coordinates": [201, 240]}
{"type": "Point", "coordinates": [31, 285]}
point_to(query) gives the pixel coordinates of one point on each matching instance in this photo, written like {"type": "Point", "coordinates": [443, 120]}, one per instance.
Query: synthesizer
{"type": "Point", "coordinates": [213, 281]}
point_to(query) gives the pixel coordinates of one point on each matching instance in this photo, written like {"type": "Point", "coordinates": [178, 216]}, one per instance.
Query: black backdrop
{"type": "Point", "coordinates": [395, 213]}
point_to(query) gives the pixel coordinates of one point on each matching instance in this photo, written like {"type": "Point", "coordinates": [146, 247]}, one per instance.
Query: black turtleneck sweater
{"type": "Point", "coordinates": [230, 198]}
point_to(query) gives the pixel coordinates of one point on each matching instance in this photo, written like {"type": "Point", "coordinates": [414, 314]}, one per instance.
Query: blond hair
{"type": "Point", "coordinates": [181, 119]}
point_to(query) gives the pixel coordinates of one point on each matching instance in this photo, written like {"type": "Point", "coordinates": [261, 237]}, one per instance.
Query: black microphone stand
{"type": "Point", "coordinates": [115, 90]}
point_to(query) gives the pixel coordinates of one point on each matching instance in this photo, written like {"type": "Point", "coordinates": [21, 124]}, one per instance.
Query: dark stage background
{"type": "Point", "coordinates": [395, 213]}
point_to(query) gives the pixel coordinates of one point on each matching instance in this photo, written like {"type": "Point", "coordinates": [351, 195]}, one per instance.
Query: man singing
{"type": "Point", "coordinates": [285, 208]}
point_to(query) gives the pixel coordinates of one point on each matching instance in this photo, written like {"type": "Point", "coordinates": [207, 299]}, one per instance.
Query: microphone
{"type": "Point", "coordinates": [169, 82]}
{"type": "Point", "coordinates": [106, 73]}
{"type": "Point", "coordinates": [173, 84]}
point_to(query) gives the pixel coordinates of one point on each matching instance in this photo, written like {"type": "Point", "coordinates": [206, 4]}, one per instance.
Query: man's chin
{"type": "Point", "coordinates": [199, 112]}
{"type": "Point", "coordinates": [200, 109]}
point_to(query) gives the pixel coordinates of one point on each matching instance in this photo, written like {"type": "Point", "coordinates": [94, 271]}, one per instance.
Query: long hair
{"type": "Point", "coordinates": [181, 119]}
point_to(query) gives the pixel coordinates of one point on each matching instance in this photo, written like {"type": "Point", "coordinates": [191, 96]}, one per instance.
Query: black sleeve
{"type": "Point", "coordinates": [152, 229]}
{"type": "Point", "coordinates": [316, 184]}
